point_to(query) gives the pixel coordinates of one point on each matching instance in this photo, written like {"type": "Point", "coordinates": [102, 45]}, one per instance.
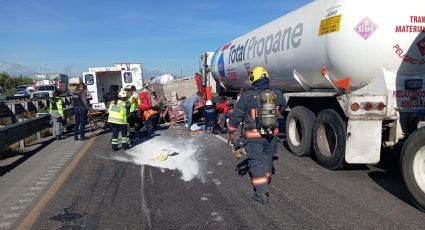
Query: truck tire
{"type": "Point", "coordinates": [412, 164]}
{"type": "Point", "coordinates": [329, 139]}
{"type": "Point", "coordinates": [299, 127]}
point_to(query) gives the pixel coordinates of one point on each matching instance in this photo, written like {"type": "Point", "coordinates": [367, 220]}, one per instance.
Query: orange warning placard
{"type": "Point", "coordinates": [330, 25]}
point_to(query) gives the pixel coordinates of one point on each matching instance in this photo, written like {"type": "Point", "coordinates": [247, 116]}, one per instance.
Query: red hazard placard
{"type": "Point", "coordinates": [421, 46]}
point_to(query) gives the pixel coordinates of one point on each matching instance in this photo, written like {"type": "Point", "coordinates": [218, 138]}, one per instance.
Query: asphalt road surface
{"type": "Point", "coordinates": [200, 186]}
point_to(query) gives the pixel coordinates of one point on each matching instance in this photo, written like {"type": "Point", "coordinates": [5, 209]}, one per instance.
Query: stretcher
{"type": "Point", "coordinates": [97, 119]}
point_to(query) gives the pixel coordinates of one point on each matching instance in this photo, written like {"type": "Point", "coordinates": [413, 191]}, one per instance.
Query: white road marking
{"type": "Point", "coordinates": [45, 178]}
{"type": "Point", "coordinates": [221, 138]}
{"type": "Point", "coordinates": [41, 183]}
{"type": "Point", "coordinates": [36, 188]}
{"type": "Point", "coordinates": [10, 216]}
{"type": "Point", "coordinates": [5, 225]}
{"type": "Point", "coordinates": [16, 208]}
{"type": "Point", "coordinates": [30, 194]}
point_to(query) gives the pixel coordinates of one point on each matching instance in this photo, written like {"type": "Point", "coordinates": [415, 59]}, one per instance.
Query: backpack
{"type": "Point", "coordinates": [145, 101]}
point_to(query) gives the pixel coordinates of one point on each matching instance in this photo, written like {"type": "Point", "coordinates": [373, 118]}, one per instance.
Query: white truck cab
{"type": "Point", "coordinates": [100, 79]}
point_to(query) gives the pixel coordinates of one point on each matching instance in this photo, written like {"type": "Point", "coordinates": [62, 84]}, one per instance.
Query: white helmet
{"type": "Point", "coordinates": [208, 102]}
{"type": "Point", "coordinates": [122, 94]}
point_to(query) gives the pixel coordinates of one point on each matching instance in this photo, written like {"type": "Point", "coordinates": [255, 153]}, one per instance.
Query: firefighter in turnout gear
{"type": "Point", "coordinates": [57, 115]}
{"type": "Point", "coordinates": [117, 119]}
{"type": "Point", "coordinates": [133, 103]}
{"type": "Point", "coordinates": [258, 109]}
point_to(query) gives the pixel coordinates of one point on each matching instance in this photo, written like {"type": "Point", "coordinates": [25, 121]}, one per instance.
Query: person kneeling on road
{"type": "Point", "coordinates": [117, 119]}
{"type": "Point", "coordinates": [258, 108]}
{"type": "Point", "coordinates": [210, 116]}
{"type": "Point", "coordinates": [57, 115]}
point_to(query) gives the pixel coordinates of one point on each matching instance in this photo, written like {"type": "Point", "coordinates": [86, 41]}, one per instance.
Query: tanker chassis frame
{"type": "Point", "coordinates": [355, 126]}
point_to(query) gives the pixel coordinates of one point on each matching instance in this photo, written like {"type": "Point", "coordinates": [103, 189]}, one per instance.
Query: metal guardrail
{"type": "Point", "coordinates": [17, 98]}
{"type": "Point", "coordinates": [19, 131]}
{"type": "Point", "coordinates": [36, 97]}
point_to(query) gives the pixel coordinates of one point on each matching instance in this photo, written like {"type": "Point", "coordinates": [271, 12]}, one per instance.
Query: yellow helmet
{"type": "Point", "coordinates": [258, 73]}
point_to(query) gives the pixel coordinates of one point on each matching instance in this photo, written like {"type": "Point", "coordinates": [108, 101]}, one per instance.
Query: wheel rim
{"type": "Point", "coordinates": [295, 132]}
{"type": "Point", "coordinates": [418, 168]}
{"type": "Point", "coordinates": [327, 139]}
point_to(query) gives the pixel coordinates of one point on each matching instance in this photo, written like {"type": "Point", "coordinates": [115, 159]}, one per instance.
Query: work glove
{"type": "Point", "coordinates": [238, 149]}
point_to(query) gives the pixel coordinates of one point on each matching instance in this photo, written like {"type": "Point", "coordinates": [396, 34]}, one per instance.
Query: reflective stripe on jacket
{"type": "Point", "coordinates": [247, 110]}
{"type": "Point", "coordinates": [117, 113]}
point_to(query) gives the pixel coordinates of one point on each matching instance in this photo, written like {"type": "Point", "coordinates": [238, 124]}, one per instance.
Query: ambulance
{"type": "Point", "coordinates": [100, 80]}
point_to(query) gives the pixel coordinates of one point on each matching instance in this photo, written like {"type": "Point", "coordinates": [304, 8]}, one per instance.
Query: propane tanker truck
{"type": "Point", "coordinates": [353, 74]}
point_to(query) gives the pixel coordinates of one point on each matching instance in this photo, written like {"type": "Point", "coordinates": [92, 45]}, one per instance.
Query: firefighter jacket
{"type": "Point", "coordinates": [247, 110]}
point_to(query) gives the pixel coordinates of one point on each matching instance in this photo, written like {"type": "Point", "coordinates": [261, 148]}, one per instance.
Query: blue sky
{"type": "Point", "coordinates": [70, 36]}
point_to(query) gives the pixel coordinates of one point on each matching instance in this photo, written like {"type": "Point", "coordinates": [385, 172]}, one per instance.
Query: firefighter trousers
{"type": "Point", "coordinates": [133, 119]}
{"type": "Point", "coordinates": [116, 128]}
{"type": "Point", "coordinates": [260, 158]}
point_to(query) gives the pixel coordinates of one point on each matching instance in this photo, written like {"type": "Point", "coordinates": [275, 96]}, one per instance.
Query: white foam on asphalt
{"type": "Point", "coordinates": [217, 182]}
{"type": "Point", "coordinates": [185, 158]}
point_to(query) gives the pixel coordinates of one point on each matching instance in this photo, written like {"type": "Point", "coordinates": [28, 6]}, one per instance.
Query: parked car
{"type": "Point", "coordinates": [43, 92]}
{"type": "Point", "coordinates": [23, 90]}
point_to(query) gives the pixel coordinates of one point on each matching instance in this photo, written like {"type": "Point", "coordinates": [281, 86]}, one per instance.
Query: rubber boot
{"type": "Point", "coordinates": [261, 198]}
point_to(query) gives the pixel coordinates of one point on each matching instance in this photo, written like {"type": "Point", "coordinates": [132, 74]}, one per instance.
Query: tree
{"type": "Point", "coordinates": [9, 83]}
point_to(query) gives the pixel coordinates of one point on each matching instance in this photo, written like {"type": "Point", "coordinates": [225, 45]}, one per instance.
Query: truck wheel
{"type": "Point", "coordinates": [299, 126]}
{"type": "Point", "coordinates": [329, 139]}
{"type": "Point", "coordinates": [412, 163]}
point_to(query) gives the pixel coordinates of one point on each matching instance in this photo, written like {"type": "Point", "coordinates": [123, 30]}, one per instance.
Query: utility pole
{"type": "Point", "coordinates": [205, 69]}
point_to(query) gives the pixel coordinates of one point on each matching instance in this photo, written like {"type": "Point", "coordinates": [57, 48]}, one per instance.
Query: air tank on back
{"type": "Point", "coordinates": [353, 39]}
